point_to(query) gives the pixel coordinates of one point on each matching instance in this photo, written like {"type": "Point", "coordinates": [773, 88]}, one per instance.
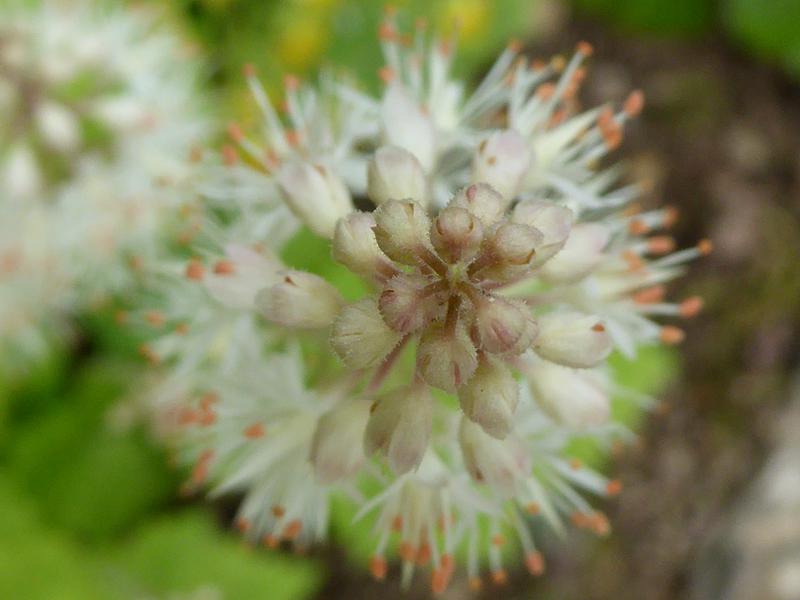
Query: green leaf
{"type": "Point", "coordinates": [180, 554]}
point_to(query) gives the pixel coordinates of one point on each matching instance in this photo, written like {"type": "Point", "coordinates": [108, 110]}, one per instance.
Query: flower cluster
{"type": "Point", "coordinates": [497, 266]}
{"type": "Point", "coordinates": [95, 140]}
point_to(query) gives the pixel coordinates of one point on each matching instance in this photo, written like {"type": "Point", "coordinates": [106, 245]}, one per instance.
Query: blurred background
{"type": "Point", "coordinates": [90, 507]}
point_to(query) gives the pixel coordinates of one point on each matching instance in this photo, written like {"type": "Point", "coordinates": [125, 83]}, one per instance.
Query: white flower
{"type": "Point", "coordinates": [498, 266]}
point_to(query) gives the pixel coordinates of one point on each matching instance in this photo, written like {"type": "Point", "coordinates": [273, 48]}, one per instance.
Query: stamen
{"type": "Point", "coordinates": [671, 335]}
{"type": "Point", "coordinates": [534, 561]}
{"type": "Point", "coordinates": [254, 431]}
{"type": "Point", "coordinates": [691, 307]}
{"type": "Point", "coordinates": [377, 566]}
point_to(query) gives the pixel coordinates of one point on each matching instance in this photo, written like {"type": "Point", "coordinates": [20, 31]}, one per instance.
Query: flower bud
{"type": "Point", "coordinates": [554, 222]}
{"type": "Point", "coordinates": [400, 427]}
{"type": "Point", "coordinates": [504, 326]}
{"type": "Point", "coordinates": [337, 451]}
{"type": "Point", "coordinates": [395, 174]}
{"type": "Point", "coordinates": [250, 272]}
{"type": "Point", "coordinates": [490, 397]}
{"type": "Point", "coordinates": [316, 195]}
{"type": "Point", "coordinates": [582, 252]}
{"type": "Point", "coordinates": [497, 463]}
{"type": "Point", "coordinates": [512, 248]}
{"type": "Point", "coordinates": [360, 336]}
{"type": "Point", "coordinates": [407, 126]}
{"type": "Point", "coordinates": [354, 244]}
{"type": "Point", "coordinates": [404, 304]}
{"type": "Point", "coordinates": [456, 234]}
{"type": "Point", "coordinates": [446, 361]}
{"type": "Point", "coordinates": [576, 399]}
{"type": "Point", "coordinates": [501, 161]}
{"type": "Point", "coordinates": [483, 201]}
{"type": "Point", "coordinates": [572, 339]}
{"type": "Point", "coordinates": [301, 300]}
{"type": "Point", "coordinates": [402, 229]}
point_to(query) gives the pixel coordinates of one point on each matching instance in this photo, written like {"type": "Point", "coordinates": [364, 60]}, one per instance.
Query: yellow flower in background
{"type": "Point", "coordinates": [302, 40]}
{"type": "Point", "coordinates": [471, 17]}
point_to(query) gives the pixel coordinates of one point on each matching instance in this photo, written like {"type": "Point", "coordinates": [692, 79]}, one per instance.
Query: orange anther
{"type": "Point", "coordinates": [533, 508]}
{"type": "Point", "coordinates": [235, 132]}
{"type": "Point", "coordinates": [386, 74]}
{"type": "Point", "coordinates": [424, 554]}
{"type": "Point", "coordinates": [691, 307]}
{"type": "Point", "coordinates": [672, 335]}
{"type": "Point", "coordinates": [598, 327]}
{"type": "Point", "coordinates": [149, 354]}
{"type": "Point", "coordinates": [498, 540]}
{"type": "Point", "coordinates": [377, 566]}
{"type": "Point", "coordinates": [671, 215]}
{"type": "Point", "coordinates": [182, 328]}
{"type": "Point", "coordinates": [546, 91]}
{"type": "Point", "coordinates": [271, 541]}
{"type": "Point", "coordinates": [514, 45]}
{"type": "Point", "coordinates": [614, 487]}
{"type": "Point", "coordinates": [292, 137]}
{"type": "Point", "coordinates": [155, 318]}
{"type": "Point", "coordinates": [243, 525]}
{"type": "Point", "coordinates": [534, 561]}
{"type": "Point", "coordinates": [575, 463]}
{"type": "Point", "coordinates": [660, 244]}
{"type": "Point", "coordinates": [397, 523]}
{"type": "Point", "coordinates": [249, 70]}
{"type": "Point", "coordinates": [500, 577]}
{"type": "Point", "coordinates": [224, 267]}
{"type": "Point", "coordinates": [638, 227]}
{"type": "Point", "coordinates": [292, 82]}
{"type": "Point", "coordinates": [229, 155]}
{"type": "Point", "coordinates": [475, 584]}
{"type": "Point", "coordinates": [705, 247]}
{"type": "Point", "coordinates": [634, 103]}
{"type": "Point", "coordinates": [278, 511]}
{"type": "Point", "coordinates": [650, 295]}
{"type": "Point", "coordinates": [407, 552]}
{"type": "Point", "coordinates": [585, 48]}
{"type": "Point", "coordinates": [293, 529]}
{"type": "Point", "coordinates": [254, 431]}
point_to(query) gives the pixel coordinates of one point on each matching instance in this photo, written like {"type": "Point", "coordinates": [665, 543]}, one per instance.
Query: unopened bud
{"type": "Point", "coordinates": [490, 397]}
{"type": "Point", "coordinates": [497, 463]}
{"type": "Point", "coordinates": [361, 337]}
{"type": "Point", "coordinates": [301, 300]}
{"type": "Point", "coordinates": [404, 303]}
{"type": "Point", "coordinates": [395, 174]}
{"type": "Point", "coordinates": [406, 125]}
{"type": "Point", "coordinates": [354, 244]}
{"type": "Point", "coordinates": [456, 234]}
{"type": "Point", "coordinates": [337, 451]}
{"type": "Point", "coordinates": [400, 427]}
{"type": "Point", "coordinates": [483, 201]}
{"type": "Point", "coordinates": [573, 340]}
{"type": "Point", "coordinates": [504, 326]}
{"type": "Point", "coordinates": [579, 256]}
{"type": "Point", "coordinates": [512, 251]}
{"type": "Point", "coordinates": [553, 221]}
{"type": "Point", "coordinates": [445, 360]}
{"type": "Point", "coordinates": [402, 229]}
{"type": "Point", "coordinates": [316, 195]}
{"type": "Point", "coordinates": [573, 398]}
{"type": "Point", "coordinates": [502, 161]}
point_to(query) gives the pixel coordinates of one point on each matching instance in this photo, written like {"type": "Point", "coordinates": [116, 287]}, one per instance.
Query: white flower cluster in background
{"type": "Point", "coordinates": [98, 116]}
{"type": "Point", "coordinates": [436, 371]}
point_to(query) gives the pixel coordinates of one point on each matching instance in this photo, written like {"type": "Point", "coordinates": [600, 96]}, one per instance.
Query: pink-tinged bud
{"type": "Point", "coordinates": [337, 451]}
{"type": "Point", "coordinates": [490, 397]}
{"type": "Point", "coordinates": [511, 251]}
{"type": "Point", "coordinates": [400, 427]}
{"type": "Point", "coordinates": [502, 161]}
{"type": "Point", "coordinates": [395, 174]}
{"type": "Point", "coordinates": [553, 221]}
{"type": "Point", "coordinates": [404, 303]}
{"type": "Point", "coordinates": [316, 195]}
{"type": "Point", "coordinates": [576, 399]}
{"type": "Point", "coordinates": [573, 340]}
{"type": "Point", "coordinates": [402, 229]}
{"type": "Point", "coordinates": [252, 272]}
{"type": "Point", "coordinates": [483, 201]}
{"type": "Point", "coordinates": [361, 337]}
{"type": "Point", "coordinates": [500, 464]}
{"type": "Point", "coordinates": [444, 360]}
{"type": "Point", "coordinates": [456, 234]}
{"type": "Point", "coordinates": [302, 300]}
{"type": "Point", "coordinates": [406, 125]}
{"type": "Point", "coordinates": [354, 244]}
{"type": "Point", "coordinates": [504, 326]}
{"type": "Point", "coordinates": [579, 256]}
